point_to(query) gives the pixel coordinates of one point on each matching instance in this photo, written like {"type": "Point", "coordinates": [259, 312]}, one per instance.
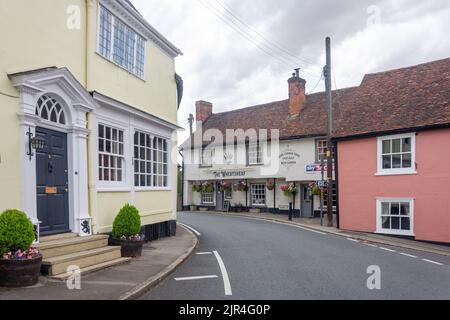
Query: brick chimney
{"type": "Point", "coordinates": [204, 110]}
{"type": "Point", "coordinates": [297, 96]}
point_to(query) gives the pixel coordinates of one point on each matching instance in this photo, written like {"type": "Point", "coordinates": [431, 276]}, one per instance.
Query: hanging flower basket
{"type": "Point", "coordinates": [226, 186]}
{"type": "Point", "coordinates": [208, 187]}
{"type": "Point", "coordinates": [270, 186]}
{"type": "Point", "coordinates": [315, 190]}
{"type": "Point", "coordinates": [240, 186]}
{"type": "Point", "coordinates": [197, 187]}
{"type": "Point", "coordinates": [289, 190]}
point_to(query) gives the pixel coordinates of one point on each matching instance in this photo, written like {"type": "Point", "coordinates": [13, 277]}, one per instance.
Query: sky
{"type": "Point", "coordinates": [239, 53]}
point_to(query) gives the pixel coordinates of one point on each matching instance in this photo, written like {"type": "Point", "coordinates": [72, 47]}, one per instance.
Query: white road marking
{"type": "Point", "coordinates": [190, 228]}
{"type": "Point", "coordinates": [352, 240]}
{"type": "Point", "coordinates": [226, 279]}
{"type": "Point", "coordinates": [371, 245]}
{"type": "Point", "coordinates": [196, 278]}
{"type": "Point", "coordinates": [433, 262]}
{"type": "Point", "coordinates": [408, 255]}
{"type": "Point", "coordinates": [203, 253]}
{"type": "Point", "coordinates": [284, 223]}
{"type": "Point", "coordinates": [388, 250]}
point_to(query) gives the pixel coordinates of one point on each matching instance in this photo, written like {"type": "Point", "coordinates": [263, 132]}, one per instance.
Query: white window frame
{"type": "Point", "coordinates": [136, 70]}
{"type": "Point", "coordinates": [380, 228]}
{"type": "Point", "coordinates": [262, 186]}
{"type": "Point", "coordinates": [210, 153]}
{"type": "Point", "coordinates": [210, 195]}
{"type": "Point", "coordinates": [255, 154]}
{"type": "Point", "coordinates": [319, 148]}
{"type": "Point", "coordinates": [228, 195]}
{"type": "Point", "coordinates": [396, 171]}
{"type": "Point", "coordinates": [113, 185]}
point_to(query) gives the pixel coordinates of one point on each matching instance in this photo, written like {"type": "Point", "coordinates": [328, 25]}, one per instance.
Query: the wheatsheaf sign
{"type": "Point", "coordinates": [229, 174]}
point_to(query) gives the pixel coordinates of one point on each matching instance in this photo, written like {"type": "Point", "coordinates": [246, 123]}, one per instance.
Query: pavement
{"type": "Point", "coordinates": [159, 259]}
{"type": "Point", "coordinates": [360, 236]}
{"type": "Point", "coordinates": [240, 258]}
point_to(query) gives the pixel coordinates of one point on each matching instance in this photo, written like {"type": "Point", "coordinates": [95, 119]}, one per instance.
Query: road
{"type": "Point", "coordinates": [264, 260]}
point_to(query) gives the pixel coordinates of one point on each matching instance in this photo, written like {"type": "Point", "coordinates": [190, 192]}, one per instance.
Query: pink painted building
{"type": "Point", "coordinates": [393, 153]}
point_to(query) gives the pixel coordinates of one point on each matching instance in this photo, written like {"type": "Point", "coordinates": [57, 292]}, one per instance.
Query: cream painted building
{"type": "Point", "coordinates": [94, 83]}
{"type": "Point", "coordinates": [280, 143]}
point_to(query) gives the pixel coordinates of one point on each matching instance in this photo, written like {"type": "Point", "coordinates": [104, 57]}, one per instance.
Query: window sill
{"type": "Point", "coordinates": [105, 189]}
{"type": "Point", "coordinates": [145, 189]}
{"type": "Point", "coordinates": [396, 173]}
{"type": "Point", "coordinates": [121, 67]}
{"type": "Point", "coordinates": [255, 165]}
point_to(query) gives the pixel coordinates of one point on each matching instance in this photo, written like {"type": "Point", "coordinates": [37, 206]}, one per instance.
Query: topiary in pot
{"type": "Point", "coordinates": [126, 228]}
{"type": "Point", "coordinates": [20, 263]}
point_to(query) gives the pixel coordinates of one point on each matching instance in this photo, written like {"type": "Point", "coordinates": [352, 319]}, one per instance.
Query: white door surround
{"type": "Point", "coordinates": [76, 102]}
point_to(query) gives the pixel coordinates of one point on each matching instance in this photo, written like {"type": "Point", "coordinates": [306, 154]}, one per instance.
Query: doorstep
{"type": "Point", "coordinates": [126, 281]}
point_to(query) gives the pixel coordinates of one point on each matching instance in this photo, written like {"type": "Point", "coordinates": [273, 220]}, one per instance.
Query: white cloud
{"type": "Point", "coordinates": [220, 66]}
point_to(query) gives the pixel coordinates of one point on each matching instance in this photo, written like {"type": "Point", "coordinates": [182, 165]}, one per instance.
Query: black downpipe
{"type": "Point", "coordinates": [274, 196]}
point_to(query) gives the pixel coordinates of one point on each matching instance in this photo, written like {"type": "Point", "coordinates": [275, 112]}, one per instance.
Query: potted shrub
{"type": "Point", "coordinates": [193, 207]}
{"type": "Point", "coordinates": [20, 262]}
{"type": "Point", "coordinates": [126, 228]}
{"type": "Point", "coordinates": [239, 208]}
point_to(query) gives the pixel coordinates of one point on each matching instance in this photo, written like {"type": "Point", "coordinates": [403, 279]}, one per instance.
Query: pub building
{"type": "Point", "coordinates": [216, 179]}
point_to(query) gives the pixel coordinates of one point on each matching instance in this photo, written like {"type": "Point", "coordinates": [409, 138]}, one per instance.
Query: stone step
{"type": "Point", "coordinates": [57, 237]}
{"type": "Point", "coordinates": [58, 265]}
{"type": "Point", "coordinates": [65, 246]}
{"type": "Point", "coordinates": [94, 268]}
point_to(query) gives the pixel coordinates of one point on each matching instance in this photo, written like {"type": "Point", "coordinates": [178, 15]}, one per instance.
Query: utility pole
{"type": "Point", "coordinates": [327, 74]}
{"type": "Point", "coordinates": [191, 134]}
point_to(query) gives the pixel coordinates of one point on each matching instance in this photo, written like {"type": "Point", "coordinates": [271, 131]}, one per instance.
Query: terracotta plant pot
{"type": "Point", "coordinates": [20, 273]}
{"type": "Point", "coordinates": [128, 248]}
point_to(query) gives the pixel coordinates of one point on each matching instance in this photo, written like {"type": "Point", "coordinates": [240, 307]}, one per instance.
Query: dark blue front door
{"type": "Point", "coordinates": [52, 183]}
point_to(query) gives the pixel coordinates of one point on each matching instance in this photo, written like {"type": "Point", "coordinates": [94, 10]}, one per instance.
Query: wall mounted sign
{"type": "Point", "coordinates": [316, 168]}
{"type": "Point", "coordinates": [229, 174]}
{"type": "Point", "coordinates": [289, 158]}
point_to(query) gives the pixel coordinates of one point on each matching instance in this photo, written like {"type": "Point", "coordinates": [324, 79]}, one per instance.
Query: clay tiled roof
{"type": "Point", "coordinates": [409, 98]}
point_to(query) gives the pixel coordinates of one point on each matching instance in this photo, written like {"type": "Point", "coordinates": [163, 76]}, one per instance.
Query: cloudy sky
{"type": "Point", "coordinates": [239, 53]}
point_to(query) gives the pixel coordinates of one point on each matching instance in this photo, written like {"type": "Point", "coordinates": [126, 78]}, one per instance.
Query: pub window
{"type": "Point", "coordinates": [254, 154]}
{"type": "Point", "coordinates": [208, 198]}
{"type": "Point", "coordinates": [258, 194]}
{"type": "Point", "coordinates": [206, 157]}
{"type": "Point", "coordinates": [111, 153]}
{"type": "Point", "coordinates": [321, 150]}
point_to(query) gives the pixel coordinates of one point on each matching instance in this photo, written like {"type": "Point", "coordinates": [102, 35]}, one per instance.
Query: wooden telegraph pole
{"type": "Point", "coordinates": [327, 74]}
